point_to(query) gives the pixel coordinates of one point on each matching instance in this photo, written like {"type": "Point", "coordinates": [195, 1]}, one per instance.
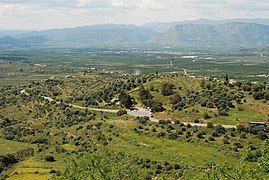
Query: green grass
{"type": "Point", "coordinates": [162, 149]}
{"type": "Point", "coordinates": [32, 176]}
{"type": "Point", "coordinates": [11, 147]}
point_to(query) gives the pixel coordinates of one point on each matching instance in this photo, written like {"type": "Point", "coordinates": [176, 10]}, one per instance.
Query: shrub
{"type": "Point", "coordinates": [206, 115]}
{"type": "Point", "coordinates": [215, 133]}
{"type": "Point", "coordinates": [223, 113]}
{"type": "Point", "coordinates": [163, 122]}
{"type": "Point", "coordinates": [147, 177]}
{"type": "Point", "coordinates": [49, 158]}
{"type": "Point", "coordinates": [262, 135]}
{"type": "Point", "coordinates": [243, 136]}
{"type": "Point", "coordinates": [233, 134]}
{"type": "Point", "coordinates": [200, 135]}
{"type": "Point", "coordinates": [210, 138]}
{"type": "Point", "coordinates": [177, 122]}
{"type": "Point", "coordinates": [240, 128]}
{"type": "Point", "coordinates": [220, 129]}
{"type": "Point", "coordinates": [225, 141]}
{"type": "Point", "coordinates": [168, 168]}
{"type": "Point", "coordinates": [238, 145]}
{"type": "Point", "coordinates": [158, 166]}
{"type": "Point", "coordinates": [161, 134]}
{"type": "Point", "coordinates": [143, 120]}
{"type": "Point", "coordinates": [188, 134]}
{"type": "Point", "coordinates": [167, 89]}
{"type": "Point", "coordinates": [176, 166]}
{"type": "Point", "coordinates": [172, 136]}
{"type": "Point", "coordinates": [121, 112]}
{"type": "Point", "coordinates": [188, 125]}
{"type": "Point", "coordinates": [210, 125]}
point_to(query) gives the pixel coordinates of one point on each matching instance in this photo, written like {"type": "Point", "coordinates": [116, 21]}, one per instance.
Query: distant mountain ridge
{"type": "Point", "coordinates": [200, 32]}
{"type": "Point", "coordinates": [164, 26]}
{"type": "Point", "coordinates": [97, 34]}
{"type": "Point", "coordinates": [227, 33]}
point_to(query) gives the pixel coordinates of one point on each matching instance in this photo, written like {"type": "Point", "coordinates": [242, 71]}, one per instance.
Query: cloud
{"type": "Point", "coordinates": [61, 13]}
{"type": "Point", "coordinates": [75, 3]}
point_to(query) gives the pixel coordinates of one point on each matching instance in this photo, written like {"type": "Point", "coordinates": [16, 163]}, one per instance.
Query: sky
{"type": "Point", "coordinates": [36, 14]}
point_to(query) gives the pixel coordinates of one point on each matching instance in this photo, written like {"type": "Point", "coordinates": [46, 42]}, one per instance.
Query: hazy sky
{"type": "Point", "coordinates": [35, 14]}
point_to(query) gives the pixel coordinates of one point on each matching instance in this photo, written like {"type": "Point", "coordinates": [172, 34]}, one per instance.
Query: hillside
{"type": "Point", "coordinates": [164, 26]}
{"type": "Point", "coordinates": [199, 33]}
{"type": "Point", "coordinates": [72, 140]}
{"type": "Point", "coordinates": [223, 34]}
{"type": "Point", "coordinates": [105, 34]}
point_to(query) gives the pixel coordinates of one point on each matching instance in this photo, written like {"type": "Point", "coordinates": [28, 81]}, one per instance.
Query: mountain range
{"type": "Point", "coordinates": [202, 32]}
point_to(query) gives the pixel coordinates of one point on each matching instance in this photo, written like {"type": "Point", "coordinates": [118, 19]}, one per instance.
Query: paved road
{"type": "Point", "coordinates": [142, 112]}
{"type": "Point", "coordinates": [136, 112]}
{"type": "Point", "coordinates": [145, 112]}
{"type": "Point", "coordinates": [95, 109]}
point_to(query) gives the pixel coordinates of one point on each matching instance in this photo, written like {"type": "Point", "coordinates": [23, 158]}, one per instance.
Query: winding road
{"type": "Point", "coordinates": [137, 112]}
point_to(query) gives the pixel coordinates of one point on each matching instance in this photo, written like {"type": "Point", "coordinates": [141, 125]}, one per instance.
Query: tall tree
{"type": "Point", "coordinates": [126, 100]}
{"type": "Point", "coordinates": [167, 89]}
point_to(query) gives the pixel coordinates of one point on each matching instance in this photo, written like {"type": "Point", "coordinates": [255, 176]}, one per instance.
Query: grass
{"type": "Point", "coordinates": [32, 176]}
{"type": "Point", "coordinates": [34, 169]}
{"type": "Point", "coordinates": [161, 149]}
{"type": "Point", "coordinates": [11, 147]}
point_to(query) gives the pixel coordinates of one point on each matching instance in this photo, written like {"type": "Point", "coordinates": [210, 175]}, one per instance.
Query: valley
{"type": "Point", "coordinates": [66, 114]}
{"type": "Point", "coordinates": [134, 90]}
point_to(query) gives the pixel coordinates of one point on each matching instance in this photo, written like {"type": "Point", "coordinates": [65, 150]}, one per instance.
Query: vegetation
{"type": "Point", "coordinates": [79, 125]}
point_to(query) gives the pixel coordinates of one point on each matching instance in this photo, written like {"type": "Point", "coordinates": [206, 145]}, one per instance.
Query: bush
{"type": "Point", "coordinates": [168, 168]}
{"type": "Point", "coordinates": [143, 120]}
{"type": "Point", "coordinates": [49, 158]}
{"type": "Point", "coordinates": [226, 141]}
{"type": "Point", "coordinates": [172, 136]}
{"type": "Point", "coordinates": [206, 115]}
{"type": "Point", "coordinates": [240, 128]}
{"type": "Point", "coordinates": [161, 134]}
{"type": "Point", "coordinates": [243, 136]}
{"type": "Point", "coordinates": [188, 134]}
{"type": "Point", "coordinates": [210, 125]}
{"type": "Point", "coordinates": [164, 122]}
{"type": "Point", "coordinates": [238, 145]}
{"type": "Point", "coordinates": [147, 177]}
{"type": "Point", "coordinates": [158, 166]}
{"type": "Point", "coordinates": [220, 129]}
{"type": "Point", "coordinates": [223, 113]}
{"type": "Point", "coordinates": [121, 112]}
{"type": "Point", "coordinates": [177, 122]}
{"type": "Point", "coordinates": [210, 138]}
{"type": "Point", "coordinates": [156, 106]}
{"type": "Point", "coordinates": [167, 89]}
{"type": "Point", "coordinates": [215, 133]}
{"type": "Point", "coordinates": [200, 135]}
{"type": "Point", "coordinates": [176, 166]}
{"type": "Point", "coordinates": [262, 135]}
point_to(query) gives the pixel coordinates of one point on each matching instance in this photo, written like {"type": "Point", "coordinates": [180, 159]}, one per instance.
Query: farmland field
{"type": "Point", "coordinates": [239, 64]}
